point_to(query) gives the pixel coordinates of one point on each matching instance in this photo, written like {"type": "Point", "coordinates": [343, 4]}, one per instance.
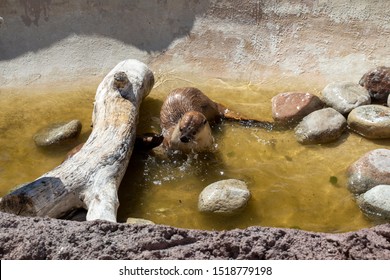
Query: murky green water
{"type": "Point", "coordinates": [292, 185]}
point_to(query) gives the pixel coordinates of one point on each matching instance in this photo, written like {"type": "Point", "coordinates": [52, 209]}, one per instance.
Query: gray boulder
{"type": "Point", "coordinates": [57, 133]}
{"type": "Point", "coordinates": [345, 96]}
{"type": "Point", "coordinates": [376, 202]}
{"type": "Point", "coordinates": [370, 121]}
{"type": "Point", "coordinates": [224, 197]}
{"type": "Point", "coordinates": [370, 170]}
{"type": "Point", "coordinates": [322, 126]}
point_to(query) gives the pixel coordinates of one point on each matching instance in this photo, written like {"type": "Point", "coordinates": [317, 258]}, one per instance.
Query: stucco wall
{"type": "Point", "coordinates": [265, 42]}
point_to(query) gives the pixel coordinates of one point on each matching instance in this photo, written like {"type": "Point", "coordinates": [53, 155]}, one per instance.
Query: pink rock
{"type": "Point", "coordinates": [291, 107]}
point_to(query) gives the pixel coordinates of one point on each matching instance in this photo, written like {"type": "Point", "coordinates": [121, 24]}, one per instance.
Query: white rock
{"type": "Point", "coordinates": [370, 121]}
{"type": "Point", "coordinates": [322, 126]}
{"type": "Point", "coordinates": [376, 201]}
{"type": "Point", "coordinates": [226, 197]}
{"type": "Point", "coordinates": [345, 96]}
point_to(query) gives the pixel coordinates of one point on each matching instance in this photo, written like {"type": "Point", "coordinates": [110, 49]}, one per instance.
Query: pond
{"type": "Point", "coordinates": [291, 185]}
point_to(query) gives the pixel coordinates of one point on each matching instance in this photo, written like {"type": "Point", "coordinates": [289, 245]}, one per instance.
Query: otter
{"type": "Point", "coordinates": [186, 118]}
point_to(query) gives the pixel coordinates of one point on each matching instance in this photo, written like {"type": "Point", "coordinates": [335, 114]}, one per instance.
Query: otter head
{"type": "Point", "coordinates": [192, 133]}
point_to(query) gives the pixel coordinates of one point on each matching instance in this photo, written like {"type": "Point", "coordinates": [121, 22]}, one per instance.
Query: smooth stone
{"type": "Point", "coordinates": [57, 133]}
{"type": "Point", "coordinates": [372, 169]}
{"type": "Point", "coordinates": [322, 126]}
{"type": "Point", "coordinates": [138, 221]}
{"type": "Point", "coordinates": [377, 83]}
{"type": "Point", "coordinates": [291, 107]}
{"type": "Point", "coordinates": [370, 121]}
{"type": "Point", "coordinates": [224, 197]}
{"type": "Point", "coordinates": [345, 96]}
{"type": "Point", "coordinates": [376, 202]}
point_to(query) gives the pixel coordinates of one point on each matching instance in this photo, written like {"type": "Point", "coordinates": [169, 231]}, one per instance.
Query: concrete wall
{"type": "Point", "coordinates": [301, 42]}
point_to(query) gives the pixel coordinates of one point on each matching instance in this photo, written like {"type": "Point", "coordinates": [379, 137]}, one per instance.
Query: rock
{"type": "Point", "coordinates": [370, 170]}
{"type": "Point", "coordinates": [377, 82]}
{"type": "Point", "coordinates": [291, 107]}
{"type": "Point", "coordinates": [57, 133]}
{"type": "Point", "coordinates": [138, 221]}
{"type": "Point", "coordinates": [370, 121]}
{"type": "Point", "coordinates": [1, 21]}
{"type": "Point", "coordinates": [376, 202]}
{"type": "Point", "coordinates": [36, 238]}
{"type": "Point", "coordinates": [322, 126]}
{"type": "Point", "coordinates": [225, 197]}
{"type": "Point", "coordinates": [345, 96]}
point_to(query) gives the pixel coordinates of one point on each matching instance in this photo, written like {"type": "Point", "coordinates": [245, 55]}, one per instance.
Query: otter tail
{"type": "Point", "coordinates": [230, 115]}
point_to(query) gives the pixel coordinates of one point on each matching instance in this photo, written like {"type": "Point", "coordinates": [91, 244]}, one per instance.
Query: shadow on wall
{"type": "Point", "coordinates": [30, 25]}
{"type": "Point", "coordinates": [33, 10]}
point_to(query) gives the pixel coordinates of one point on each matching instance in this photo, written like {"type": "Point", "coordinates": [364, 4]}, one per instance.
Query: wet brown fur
{"type": "Point", "coordinates": [186, 106]}
{"type": "Point", "coordinates": [183, 100]}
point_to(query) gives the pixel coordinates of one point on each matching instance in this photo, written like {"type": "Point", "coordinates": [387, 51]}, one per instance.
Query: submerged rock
{"type": "Point", "coordinates": [345, 96]}
{"type": "Point", "coordinates": [322, 126]}
{"type": "Point", "coordinates": [57, 133]}
{"type": "Point", "coordinates": [377, 82]}
{"type": "Point", "coordinates": [291, 107]}
{"type": "Point", "coordinates": [138, 221]}
{"type": "Point", "coordinates": [376, 202]}
{"type": "Point", "coordinates": [370, 121]}
{"type": "Point", "coordinates": [225, 197]}
{"type": "Point", "coordinates": [371, 170]}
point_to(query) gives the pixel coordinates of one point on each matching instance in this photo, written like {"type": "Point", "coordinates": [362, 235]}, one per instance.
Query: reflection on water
{"type": "Point", "coordinates": [291, 185]}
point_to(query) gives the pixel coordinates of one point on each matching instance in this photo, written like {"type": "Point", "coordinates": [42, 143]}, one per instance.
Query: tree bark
{"type": "Point", "coordinates": [91, 178]}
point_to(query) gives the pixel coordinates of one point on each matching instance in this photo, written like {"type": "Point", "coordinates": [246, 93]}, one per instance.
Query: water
{"type": "Point", "coordinates": [292, 185]}
{"type": "Point", "coordinates": [22, 114]}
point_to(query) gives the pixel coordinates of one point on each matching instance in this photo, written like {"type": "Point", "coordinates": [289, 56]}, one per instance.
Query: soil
{"type": "Point", "coordinates": [45, 238]}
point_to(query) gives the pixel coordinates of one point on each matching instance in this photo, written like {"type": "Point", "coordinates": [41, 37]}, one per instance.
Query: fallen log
{"type": "Point", "coordinates": [90, 178]}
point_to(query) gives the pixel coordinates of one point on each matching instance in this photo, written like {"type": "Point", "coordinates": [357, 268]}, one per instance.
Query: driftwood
{"type": "Point", "coordinates": [90, 179]}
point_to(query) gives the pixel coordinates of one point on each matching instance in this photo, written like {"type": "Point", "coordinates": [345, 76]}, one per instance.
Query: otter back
{"type": "Point", "coordinates": [183, 100]}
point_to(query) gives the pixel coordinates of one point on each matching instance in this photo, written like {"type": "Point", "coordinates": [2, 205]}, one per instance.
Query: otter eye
{"type": "Point", "coordinates": [194, 132]}
{"type": "Point", "coordinates": [205, 121]}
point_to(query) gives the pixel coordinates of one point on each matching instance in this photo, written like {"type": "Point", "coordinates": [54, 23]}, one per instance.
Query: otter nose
{"type": "Point", "coordinates": [184, 139]}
